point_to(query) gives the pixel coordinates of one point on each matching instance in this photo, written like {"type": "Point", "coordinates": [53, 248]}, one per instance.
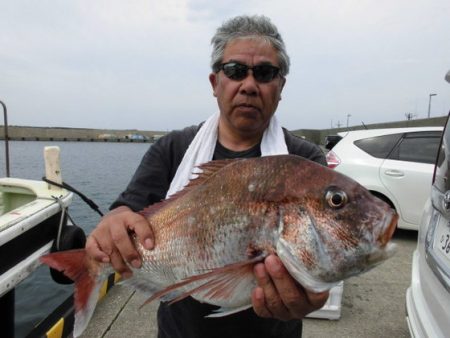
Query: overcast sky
{"type": "Point", "coordinates": [144, 64]}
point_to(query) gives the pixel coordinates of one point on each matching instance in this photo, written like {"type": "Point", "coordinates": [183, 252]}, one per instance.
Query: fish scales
{"type": "Point", "coordinates": [203, 221]}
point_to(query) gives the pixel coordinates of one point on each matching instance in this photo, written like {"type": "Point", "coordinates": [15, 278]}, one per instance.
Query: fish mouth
{"type": "Point", "coordinates": [389, 230]}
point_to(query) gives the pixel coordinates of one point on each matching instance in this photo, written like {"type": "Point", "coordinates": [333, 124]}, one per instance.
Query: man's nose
{"type": "Point", "coordinates": [249, 86]}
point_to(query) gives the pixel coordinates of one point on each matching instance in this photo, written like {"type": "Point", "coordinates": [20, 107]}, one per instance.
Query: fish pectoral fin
{"type": "Point", "coordinates": [217, 283]}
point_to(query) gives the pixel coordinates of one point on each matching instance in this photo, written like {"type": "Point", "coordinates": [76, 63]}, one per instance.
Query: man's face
{"type": "Point", "coordinates": [247, 105]}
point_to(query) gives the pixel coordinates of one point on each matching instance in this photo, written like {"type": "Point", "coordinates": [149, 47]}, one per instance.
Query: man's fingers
{"type": "Point", "coordinates": [285, 285]}
{"type": "Point", "coordinates": [94, 250]}
{"type": "Point", "coordinates": [111, 242]}
{"type": "Point", "coordinates": [272, 299]}
{"type": "Point", "coordinates": [258, 303]}
{"type": "Point", "coordinates": [317, 300]}
{"type": "Point", "coordinates": [124, 245]}
{"type": "Point", "coordinates": [119, 264]}
{"type": "Point", "coordinates": [143, 231]}
{"type": "Point", "coordinates": [103, 252]}
{"type": "Point", "coordinates": [297, 300]}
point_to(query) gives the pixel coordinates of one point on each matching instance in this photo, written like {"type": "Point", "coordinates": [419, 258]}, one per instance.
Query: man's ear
{"type": "Point", "coordinates": [283, 82]}
{"type": "Point", "coordinates": [213, 81]}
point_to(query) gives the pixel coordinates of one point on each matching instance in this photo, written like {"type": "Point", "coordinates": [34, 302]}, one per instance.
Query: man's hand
{"type": "Point", "coordinates": [110, 241]}
{"type": "Point", "coordinates": [279, 296]}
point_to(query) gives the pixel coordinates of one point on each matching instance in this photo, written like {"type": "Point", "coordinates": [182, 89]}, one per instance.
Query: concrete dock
{"type": "Point", "coordinates": [373, 304]}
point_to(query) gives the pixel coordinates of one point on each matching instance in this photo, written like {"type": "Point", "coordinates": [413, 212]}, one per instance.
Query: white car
{"type": "Point", "coordinates": [394, 164]}
{"type": "Point", "coordinates": [428, 297]}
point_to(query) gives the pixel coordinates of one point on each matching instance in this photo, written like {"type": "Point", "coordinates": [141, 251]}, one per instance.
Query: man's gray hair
{"type": "Point", "coordinates": [248, 26]}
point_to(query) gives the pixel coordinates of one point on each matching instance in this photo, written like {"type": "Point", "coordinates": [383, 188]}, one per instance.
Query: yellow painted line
{"type": "Point", "coordinates": [103, 290]}
{"type": "Point", "coordinates": [56, 330]}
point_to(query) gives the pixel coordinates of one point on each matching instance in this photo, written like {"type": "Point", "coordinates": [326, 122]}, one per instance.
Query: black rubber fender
{"type": "Point", "coordinates": [72, 237]}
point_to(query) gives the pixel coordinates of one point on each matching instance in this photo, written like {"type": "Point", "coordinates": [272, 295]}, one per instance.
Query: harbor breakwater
{"type": "Point", "coordinates": [24, 133]}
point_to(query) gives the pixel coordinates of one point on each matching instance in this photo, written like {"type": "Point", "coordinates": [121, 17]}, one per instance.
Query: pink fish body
{"type": "Point", "coordinates": [324, 226]}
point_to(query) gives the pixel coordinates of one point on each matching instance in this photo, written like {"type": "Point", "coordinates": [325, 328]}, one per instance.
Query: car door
{"type": "Point", "coordinates": [407, 172]}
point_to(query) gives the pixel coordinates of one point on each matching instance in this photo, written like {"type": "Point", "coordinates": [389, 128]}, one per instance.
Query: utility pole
{"type": "Point", "coordinates": [429, 103]}
{"type": "Point", "coordinates": [410, 116]}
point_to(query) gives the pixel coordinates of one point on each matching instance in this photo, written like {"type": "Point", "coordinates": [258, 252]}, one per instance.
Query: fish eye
{"type": "Point", "coordinates": [336, 198]}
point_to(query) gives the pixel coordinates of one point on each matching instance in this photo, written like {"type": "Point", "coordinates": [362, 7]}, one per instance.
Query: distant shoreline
{"type": "Point", "coordinates": [25, 133]}
{"type": "Point", "coordinates": [65, 139]}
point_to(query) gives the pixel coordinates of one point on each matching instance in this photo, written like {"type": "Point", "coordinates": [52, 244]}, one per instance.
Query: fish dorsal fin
{"type": "Point", "coordinates": [211, 167]}
{"type": "Point", "coordinates": [203, 172]}
{"type": "Point", "coordinates": [218, 283]}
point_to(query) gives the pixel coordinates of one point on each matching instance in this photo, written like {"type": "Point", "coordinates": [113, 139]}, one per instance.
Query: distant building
{"type": "Point", "coordinates": [107, 137]}
{"type": "Point", "coordinates": [136, 137]}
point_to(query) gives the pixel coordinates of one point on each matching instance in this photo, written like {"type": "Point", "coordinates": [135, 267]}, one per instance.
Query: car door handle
{"type": "Point", "coordinates": [394, 173]}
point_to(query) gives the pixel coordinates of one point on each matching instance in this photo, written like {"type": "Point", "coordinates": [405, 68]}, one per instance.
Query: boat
{"type": "Point", "coordinates": [34, 221]}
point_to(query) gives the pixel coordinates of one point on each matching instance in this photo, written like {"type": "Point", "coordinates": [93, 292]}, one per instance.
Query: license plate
{"type": "Point", "coordinates": [441, 243]}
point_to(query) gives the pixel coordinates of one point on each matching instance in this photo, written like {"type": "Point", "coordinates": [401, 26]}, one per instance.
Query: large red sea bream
{"type": "Point", "coordinates": [324, 226]}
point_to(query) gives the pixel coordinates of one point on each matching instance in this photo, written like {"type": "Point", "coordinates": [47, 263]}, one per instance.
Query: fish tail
{"type": "Point", "coordinates": [73, 264]}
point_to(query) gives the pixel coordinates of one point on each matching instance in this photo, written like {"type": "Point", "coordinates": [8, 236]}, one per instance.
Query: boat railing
{"type": "Point", "coordinates": [5, 132]}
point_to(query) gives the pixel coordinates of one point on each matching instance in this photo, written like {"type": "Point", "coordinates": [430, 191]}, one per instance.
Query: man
{"type": "Point", "coordinates": [249, 64]}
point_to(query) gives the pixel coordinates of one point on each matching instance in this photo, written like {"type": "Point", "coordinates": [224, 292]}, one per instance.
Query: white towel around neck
{"type": "Point", "coordinates": [201, 149]}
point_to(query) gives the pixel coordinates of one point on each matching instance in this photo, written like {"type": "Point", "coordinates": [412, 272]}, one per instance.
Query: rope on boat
{"type": "Point", "coordinates": [61, 221]}
{"type": "Point", "coordinates": [66, 186]}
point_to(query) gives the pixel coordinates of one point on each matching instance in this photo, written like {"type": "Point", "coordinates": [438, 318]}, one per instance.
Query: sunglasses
{"type": "Point", "coordinates": [238, 71]}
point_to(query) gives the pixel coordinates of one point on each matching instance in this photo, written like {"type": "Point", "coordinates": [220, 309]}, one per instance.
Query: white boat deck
{"type": "Point", "coordinates": [23, 205]}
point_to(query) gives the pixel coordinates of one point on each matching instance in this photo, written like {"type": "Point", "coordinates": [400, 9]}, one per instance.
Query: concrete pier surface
{"type": "Point", "coordinates": [373, 304]}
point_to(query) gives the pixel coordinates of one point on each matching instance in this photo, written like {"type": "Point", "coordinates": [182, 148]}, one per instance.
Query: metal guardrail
{"type": "Point", "coordinates": [5, 117]}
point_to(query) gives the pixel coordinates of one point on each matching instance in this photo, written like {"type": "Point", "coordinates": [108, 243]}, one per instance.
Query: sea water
{"type": "Point", "coordinates": [98, 170]}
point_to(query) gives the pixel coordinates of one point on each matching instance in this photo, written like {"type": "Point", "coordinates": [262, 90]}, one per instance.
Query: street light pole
{"type": "Point", "coordinates": [429, 104]}
{"type": "Point", "coordinates": [348, 117]}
